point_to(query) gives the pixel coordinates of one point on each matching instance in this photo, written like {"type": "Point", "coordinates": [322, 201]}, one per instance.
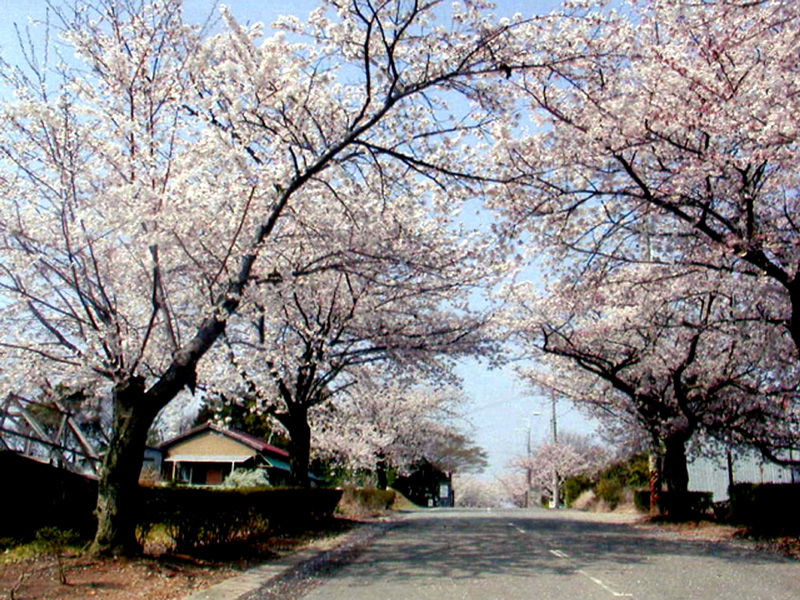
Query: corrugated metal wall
{"type": "Point", "coordinates": [707, 474]}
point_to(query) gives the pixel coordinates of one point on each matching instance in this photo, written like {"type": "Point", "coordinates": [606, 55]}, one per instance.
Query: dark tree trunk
{"type": "Point", "coordinates": [676, 476]}
{"type": "Point", "coordinates": [119, 479]}
{"type": "Point", "coordinates": [794, 320]}
{"type": "Point", "coordinates": [381, 472]}
{"type": "Point", "coordinates": [299, 446]}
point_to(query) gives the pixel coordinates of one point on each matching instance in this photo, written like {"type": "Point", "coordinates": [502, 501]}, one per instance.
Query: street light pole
{"type": "Point", "coordinates": [528, 470]}
{"type": "Point", "coordinates": [556, 491]}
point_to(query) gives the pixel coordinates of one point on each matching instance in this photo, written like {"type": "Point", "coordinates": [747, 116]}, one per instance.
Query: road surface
{"type": "Point", "coordinates": [537, 555]}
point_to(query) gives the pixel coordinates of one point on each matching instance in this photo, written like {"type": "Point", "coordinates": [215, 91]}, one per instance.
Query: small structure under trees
{"type": "Point", "coordinates": [206, 455]}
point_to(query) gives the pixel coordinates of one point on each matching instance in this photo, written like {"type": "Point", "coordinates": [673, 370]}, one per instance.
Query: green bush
{"type": "Point", "coordinates": [638, 471]}
{"type": "Point", "coordinates": [609, 489]}
{"type": "Point", "coordinates": [612, 481]}
{"type": "Point", "coordinates": [7, 543]}
{"type": "Point", "coordinates": [575, 486]}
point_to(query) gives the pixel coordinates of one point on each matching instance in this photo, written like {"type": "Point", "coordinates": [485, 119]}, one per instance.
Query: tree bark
{"type": "Point", "coordinates": [676, 476]}
{"type": "Point", "coordinates": [118, 485]}
{"type": "Point", "coordinates": [794, 320]}
{"type": "Point", "coordinates": [381, 472]}
{"type": "Point", "coordinates": [299, 446]}
{"type": "Point", "coordinates": [655, 483]}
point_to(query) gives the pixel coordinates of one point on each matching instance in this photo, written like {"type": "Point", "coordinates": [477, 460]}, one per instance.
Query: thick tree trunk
{"type": "Point", "coordinates": [676, 476]}
{"type": "Point", "coordinates": [299, 446]}
{"type": "Point", "coordinates": [794, 321]}
{"type": "Point", "coordinates": [119, 479]}
{"type": "Point", "coordinates": [381, 472]}
{"type": "Point", "coordinates": [655, 462]}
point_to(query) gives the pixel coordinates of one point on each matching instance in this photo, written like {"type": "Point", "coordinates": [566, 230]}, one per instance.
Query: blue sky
{"type": "Point", "coordinates": [500, 408]}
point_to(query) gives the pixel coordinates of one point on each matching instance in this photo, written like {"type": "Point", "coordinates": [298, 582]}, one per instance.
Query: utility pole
{"type": "Point", "coordinates": [528, 470]}
{"type": "Point", "coordinates": [554, 424]}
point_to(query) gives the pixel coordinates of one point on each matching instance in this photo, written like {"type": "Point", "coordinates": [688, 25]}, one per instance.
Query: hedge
{"type": "Point", "coordinates": [56, 498]}
{"type": "Point", "coordinates": [694, 504]}
{"type": "Point", "coordinates": [365, 502]}
{"type": "Point", "coordinates": [770, 506]}
{"type": "Point", "coordinates": [196, 517]}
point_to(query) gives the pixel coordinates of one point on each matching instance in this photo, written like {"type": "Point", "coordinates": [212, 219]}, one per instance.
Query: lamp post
{"type": "Point", "coordinates": [554, 426]}
{"type": "Point", "coordinates": [528, 471]}
{"type": "Point", "coordinates": [528, 474]}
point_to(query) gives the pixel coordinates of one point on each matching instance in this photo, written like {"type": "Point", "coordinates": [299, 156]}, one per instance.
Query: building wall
{"type": "Point", "coordinates": [710, 474]}
{"type": "Point", "coordinates": [210, 443]}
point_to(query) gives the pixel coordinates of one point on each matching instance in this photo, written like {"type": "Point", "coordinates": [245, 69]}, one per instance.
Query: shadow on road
{"type": "Point", "coordinates": [459, 545]}
{"type": "Point", "coordinates": [518, 543]}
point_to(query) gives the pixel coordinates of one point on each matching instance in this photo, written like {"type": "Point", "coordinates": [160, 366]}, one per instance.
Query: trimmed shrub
{"type": "Point", "coordinates": [364, 502]}
{"type": "Point", "coordinates": [692, 505]}
{"type": "Point", "coordinates": [195, 517]}
{"type": "Point", "coordinates": [766, 506]}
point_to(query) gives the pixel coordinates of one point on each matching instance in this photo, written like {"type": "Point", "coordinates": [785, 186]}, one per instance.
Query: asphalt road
{"type": "Point", "coordinates": [536, 555]}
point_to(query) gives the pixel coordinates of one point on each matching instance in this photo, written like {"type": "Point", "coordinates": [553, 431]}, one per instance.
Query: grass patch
{"type": "Point", "coordinates": [49, 541]}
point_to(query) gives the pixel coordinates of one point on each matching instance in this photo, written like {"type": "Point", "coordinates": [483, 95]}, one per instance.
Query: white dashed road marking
{"type": "Point", "coordinates": [564, 556]}
{"type": "Point", "coordinates": [603, 585]}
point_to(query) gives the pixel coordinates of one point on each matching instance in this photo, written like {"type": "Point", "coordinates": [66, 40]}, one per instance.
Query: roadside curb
{"type": "Point", "coordinates": [259, 577]}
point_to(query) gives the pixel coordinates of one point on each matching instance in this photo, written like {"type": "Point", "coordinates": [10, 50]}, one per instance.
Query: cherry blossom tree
{"type": "Point", "coordinates": [307, 337]}
{"type": "Point", "coordinates": [668, 364]}
{"type": "Point", "coordinates": [666, 128]}
{"type": "Point", "coordinates": [551, 463]}
{"type": "Point", "coordinates": [381, 281]}
{"type": "Point", "coordinates": [659, 155]}
{"type": "Point", "coordinates": [394, 423]}
{"type": "Point", "coordinates": [472, 492]}
{"type": "Point", "coordinates": [149, 171]}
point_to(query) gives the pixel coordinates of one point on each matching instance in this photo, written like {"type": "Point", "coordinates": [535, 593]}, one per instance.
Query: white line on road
{"type": "Point", "coordinates": [519, 529]}
{"type": "Point", "coordinates": [595, 580]}
{"type": "Point", "coordinates": [603, 585]}
{"type": "Point", "coordinates": [563, 555]}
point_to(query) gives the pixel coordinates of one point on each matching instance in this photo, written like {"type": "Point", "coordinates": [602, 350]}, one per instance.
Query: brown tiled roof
{"type": "Point", "coordinates": [240, 436]}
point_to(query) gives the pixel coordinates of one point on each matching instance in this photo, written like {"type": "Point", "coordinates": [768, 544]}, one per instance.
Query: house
{"type": "Point", "coordinates": [207, 454]}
